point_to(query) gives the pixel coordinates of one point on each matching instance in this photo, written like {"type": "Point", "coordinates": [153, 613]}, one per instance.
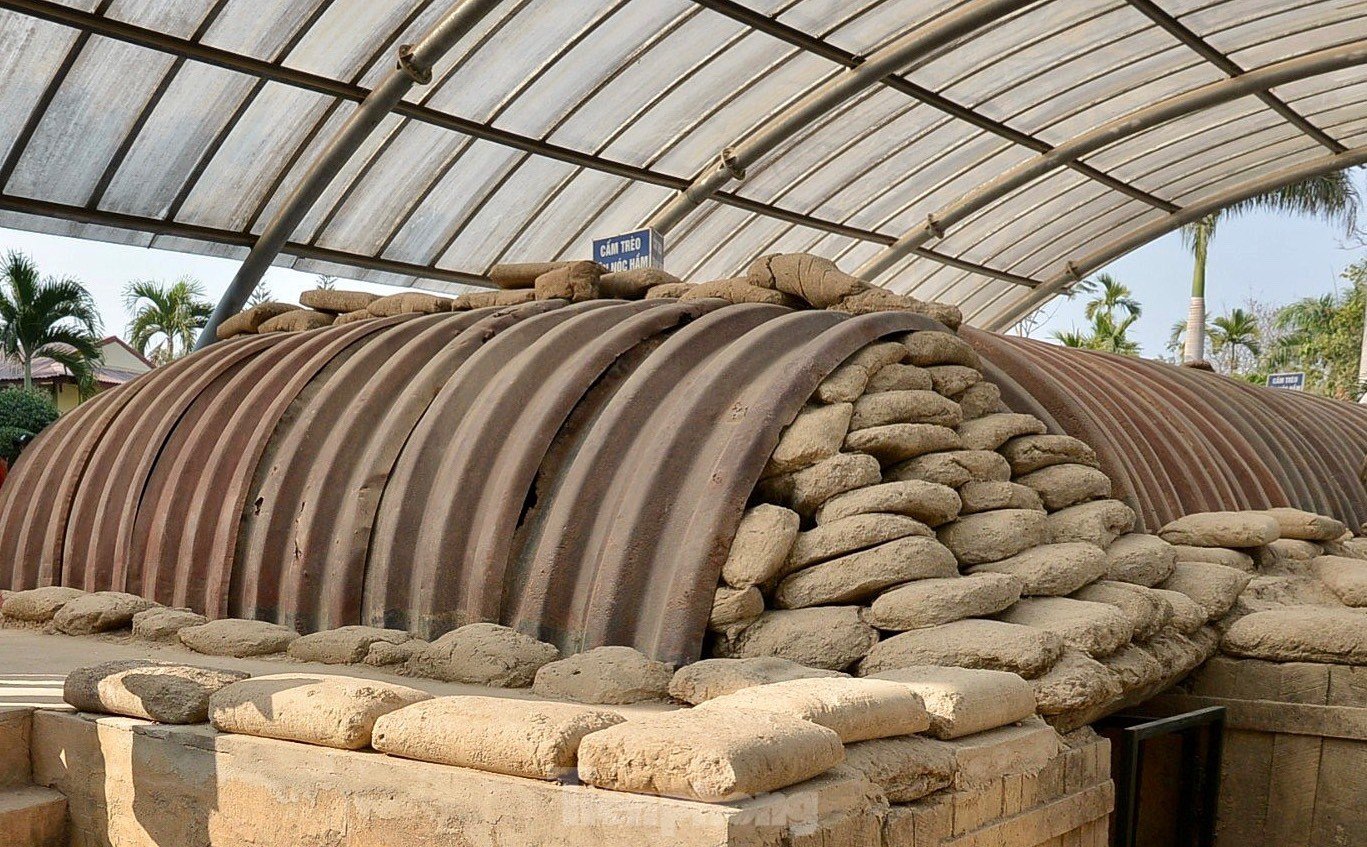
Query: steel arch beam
{"type": "Point", "coordinates": [733, 161]}
{"type": "Point", "coordinates": [1117, 129]}
{"type": "Point", "coordinates": [1079, 268]}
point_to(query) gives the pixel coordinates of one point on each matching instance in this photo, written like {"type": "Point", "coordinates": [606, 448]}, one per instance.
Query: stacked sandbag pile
{"type": "Point", "coordinates": [795, 280]}
{"type": "Point", "coordinates": [907, 518]}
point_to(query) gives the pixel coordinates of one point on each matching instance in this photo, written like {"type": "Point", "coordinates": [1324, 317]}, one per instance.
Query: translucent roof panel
{"type": "Point", "coordinates": [189, 125]}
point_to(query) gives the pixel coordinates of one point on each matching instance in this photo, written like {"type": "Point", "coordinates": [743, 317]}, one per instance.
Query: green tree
{"type": "Point", "coordinates": [51, 317]}
{"type": "Point", "coordinates": [1111, 296]}
{"type": "Point", "coordinates": [166, 318]}
{"type": "Point", "coordinates": [1072, 338]}
{"type": "Point", "coordinates": [1332, 197]}
{"type": "Point", "coordinates": [1323, 337]}
{"type": "Point", "coordinates": [1237, 338]}
{"type": "Point", "coordinates": [24, 412]}
{"type": "Point", "coordinates": [1112, 311]}
{"type": "Point", "coordinates": [260, 294]}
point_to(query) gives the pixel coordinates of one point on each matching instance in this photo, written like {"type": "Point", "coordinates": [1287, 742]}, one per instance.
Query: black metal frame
{"type": "Point", "coordinates": [1200, 790]}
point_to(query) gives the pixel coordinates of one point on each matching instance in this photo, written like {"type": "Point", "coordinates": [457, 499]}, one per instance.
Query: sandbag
{"type": "Point", "coordinates": [329, 711]}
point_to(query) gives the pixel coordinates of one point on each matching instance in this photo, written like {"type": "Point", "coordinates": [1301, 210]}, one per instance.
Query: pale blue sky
{"type": "Point", "coordinates": [1270, 258]}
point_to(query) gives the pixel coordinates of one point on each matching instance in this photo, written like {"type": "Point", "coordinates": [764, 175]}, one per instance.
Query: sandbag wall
{"type": "Point", "coordinates": [576, 471]}
{"type": "Point", "coordinates": [1177, 441]}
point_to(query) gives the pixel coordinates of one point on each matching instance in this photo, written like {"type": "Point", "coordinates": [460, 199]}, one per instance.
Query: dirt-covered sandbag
{"type": "Point", "coordinates": [847, 535]}
{"type": "Point", "coordinates": [409, 302]}
{"type": "Point", "coordinates": [953, 380]}
{"type": "Point", "coordinates": [329, 711]}
{"type": "Point", "coordinates": [521, 274]}
{"type": "Point", "coordinates": [515, 737]}
{"type": "Point", "coordinates": [711, 756]}
{"type": "Point", "coordinates": [298, 320]}
{"type": "Point", "coordinates": [1076, 683]}
{"type": "Point", "coordinates": [806, 490]}
{"type": "Point", "coordinates": [830, 637]}
{"type": "Point", "coordinates": [1213, 587]}
{"type": "Point", "coordinates": [966, 701]}
{"type": "Point", "coordinates": [635, 283]}
{"type": "Point", "coordinates": [992, 431]}
{"type": "Point", "coordinates": [1029, 453]}
{"type": "Point", "coordinates": [709, 678]}
{"type": "Point", "coordinates": [761, 546]}
{"type": "Point", "coordinates": [929, 602]}
{"type": "Point", "coordinates": [485, 654]}
{"type": "Point", "coordinates": [161, 692]}
{"type": "Point", "coordinates": [971, 643]}
{"type": "Point", "coordinates": [489, 299]}
{"type": "Point", "coordinates": [813, 279]}
{"type": "Point", "coordinates": [930, 348]}
{"type": "Point", "coordinates": [858, 576]}
{"type": "Point", "coordinates": [669, 289]}
{"type": "Point", "coordinates": [898, 377]}
{"type": "Point", "coordinates": [815, 434]}
{"type": "Point", "coordinates": [1061, 486]}
{"type": "Point", "coordinates": [1097, 629]}
{"type": "Point", "coordinates": [856, 709]}
{"type": "Point", "coordinates": [1051, 570]}
{"type": "Point", "coordinates": [608, 675]}
{"type": "Point", "coordinates": [249, 321]}
{"type": "Point", "coordinates": [240, 638]}
{"type": "Point", "coordinates": [983, 398]}
{"type": "Point", "coordinates": [160, 623]}
{"type": "Point", "coordinates": [893, 443]}
{"type": "Point", "coordinates": [905, 407]}
{"type": "Point", "coordinates": [928, 502]}
{"type": "Point", "coordinates": [906, 768]}
{"type": "Point", "coordinates": [1294, 550]}
{"type": "Point", "coordinates": [1147, 610]}
{"type": "Point", "coordinates": [1222, 529]}
{"type": "Point", "coordinates": [352, 317]}
{"type": "Point", "coordinates": [1187, 614]}
{"type": "Point", "coordinates": [1347, 578]}
{"type": "Point", "coordinates": [734, 607]}
{"type": "Point", "coordinates": [1306, 526]}
{"type": "Point", "coordinates": [1300, 634]}
{"type": "Point", "coordinates": [993, 536]}
{"type": "Point", "coordinates": [1141, 559]}
{"type": "Point", "coordinates": [739, 290]}
{"type": "Point", "coordinates": [954, 468]}
{"type": "Point", "coordinates": [336, 301]}
{"type": "Point", "coordinates": [99, 612]}
{"type": "Point", "coordinates": [1237, 559]}
{"type": "Point", "coordinates": [344, 645]}
{"type": "Point", "coordinates": [575, 282]}
{"type": "Point", "coordinates": [994, 494]}
{"type": "Point", "coordinates": [1099, 522]}
{"type": "Point", "coordinates": [882, 300]}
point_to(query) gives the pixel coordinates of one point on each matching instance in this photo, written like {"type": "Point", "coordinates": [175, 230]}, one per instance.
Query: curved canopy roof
{"type": "Point", "coordinates": [980, 152]}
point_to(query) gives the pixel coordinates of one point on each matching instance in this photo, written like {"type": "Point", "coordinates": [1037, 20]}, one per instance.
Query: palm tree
{"type": "Point", "coordinates": [46, 316]}
{"type": "Point", "coordinates": [1331, 197]}
{"type": "Point", "coordinates": [1230, 334]}
{"type": "Point", "coordinates": [1113, 336]}
{"type": "Point", "coordinates": [1112, 296]}
{"type": "Point", "coordinates": [166, 314]}
{"type": "Point", "coordinates": [1071, 338]}
{"type": "Point", "coordinates": [260, 294]}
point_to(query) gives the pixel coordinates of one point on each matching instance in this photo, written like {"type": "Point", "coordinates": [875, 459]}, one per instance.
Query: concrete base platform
{"type": "Point", "coordinates": [32, 817]}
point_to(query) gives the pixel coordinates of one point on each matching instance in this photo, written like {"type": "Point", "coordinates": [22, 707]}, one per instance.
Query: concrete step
{"type": "Point", "coordinates": [32, 817]}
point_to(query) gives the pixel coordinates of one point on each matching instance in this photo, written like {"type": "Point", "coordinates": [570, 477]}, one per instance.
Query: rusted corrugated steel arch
{"type": "Point", "coordinates": [1179, 440]}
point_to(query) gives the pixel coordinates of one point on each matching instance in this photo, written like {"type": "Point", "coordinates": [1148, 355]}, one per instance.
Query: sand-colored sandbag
{"type": "Point", "coordinates": [905, 768]}
{"type": "Point", "coordinates": [875, 299]}
{"type": "Point", "coordinates": [1300, 634]}
{"type": "Point", "coordinates": [352, 317]}
{"type": "Point", "coordinates": [1099, 522]}
{"type": "Point", "coordinates": [993, 536]}
{"type": "Point", "coordinates": [761, 546]}
{"type": "Point", "coordinates": [930, 602]}
{"type": "Point", "coordinates": [804, 491]}
{"type": "Point", "coordinates": [1029, 453]}
{"type": "Point", "coordinates": [899, 377]}
{"type": "Point", "coordinates": [954, 468]}
{"type": "Point", "coordinates": [830, 637]}
{"type": "Point", "coordinates": [1051, 570]}
{"type": "Point", "coordinates": [1306, 526]}
{"type": "Point", "coordinates": [709, 678]}
{"type": "Point", "coordinates": [1097, 629]}
{"type": "Point", "coordinates": [845, 384]}
{"type": "Point", "coordinates": [813, 279]}
{"type": "Point", "coordinates": [344, 645]}
{"type": "Point", "coordinates": [856, 709]}
{"type": "Point", "coordinates": [928, 502]}
{"type": "Point", "coordinates": [383, 654]}
{"type": "Point", "coordinates": [714, 756]}
{"type": "Point", "coordinates": [486, 654]}
{"type": "Point", "coordinates": [635, 283]}
{"type": "Point", "coordinates": [1266, 592]}
{"type": "Point", "coordinates": [1293, 550]}
{"type": "Point", "coordinates": [490, 299]}
{"type": "Point", "coordinates": [893, 407]}
{"type": "Point", "coordinates": [858, 576]}
{"type": "Point", "coordinates": [608, 675]}
{"type": "Point", "coordinates": [1141, 559]}
{"type": "Point", "coordinates": [515, 737]}
{"type": "Point", "coordinates": [991, 495]}
{"type": "Point", "coordinates": [965, 701]}
{"type": "Point", "coordinates": [299, 320]}
{"type": "Point", "coordinates": [1061, 486]}
{"type": "Point", "coordinates": [575, 282]}
{"type": "Point", "coordinates": [1213, 587]}
{"type": "Point", "coordinates": [1222, 529]}
{"type": "Point", "coordinates": [521, 274]}
{"type": "Point", "coordinates": [408, 302]}
{"type": "Point", "coordinates": [895, 443]}
{"type": "Point", "coordinates": [336, 301]}
{"type": "Point", "coordinates": [165, 693]}
{"type": "Point", "coordinates": [329, 711]}
{"type": "Point", "coordinates": [982, 399]}
{"type": "Point", "coordinates": [1347, 578]}
{"type": "Point", "coordinates": [878, 355]}
{"type": "Point", "coordinates": [953, 380]}
{"type": "Point", "coordinates": [1177, 654]}
{"type": "Point", "coordinates": [815, 434]}
{"type": "Point", "coordinates": [992, 431]}
{"type": "Point", "coordinates": [1147, 610]}
{"type": "Point", "coordinates": [1076, 682]}
{"type": "Point", "coordinates": [249, 321]}
{"type": "Point", "coordinates": [970, 643]}
{"type": "Point", "coordinates": [38, 605]}
{"type": "Point", "coordinates": [1237, 559]}
{"type": "Point", "coordinates": [240, 638]}
{"type": "Point", "coordinates": [669, 289]}
{"type": "Point", "coordinates": [847, 535]}
{"type": "Point", "coordinates": [1187, 614]}
{"type": "Point", "coordinates": [1134, 669]}
{"type": "Point", "coordinates": [931, 348]}
{"type": "Point", "coordinates": [101, 611]}
{"type": "Point", "coordinates": [159, 623]}
{"type": "Point", "coordinates": [734, 607]}
{"type": "Point", "coordinates": [739, 290]}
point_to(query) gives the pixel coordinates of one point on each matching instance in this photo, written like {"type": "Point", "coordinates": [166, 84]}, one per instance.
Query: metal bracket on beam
{"type": "Point", "coordinates": [422, 75]}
